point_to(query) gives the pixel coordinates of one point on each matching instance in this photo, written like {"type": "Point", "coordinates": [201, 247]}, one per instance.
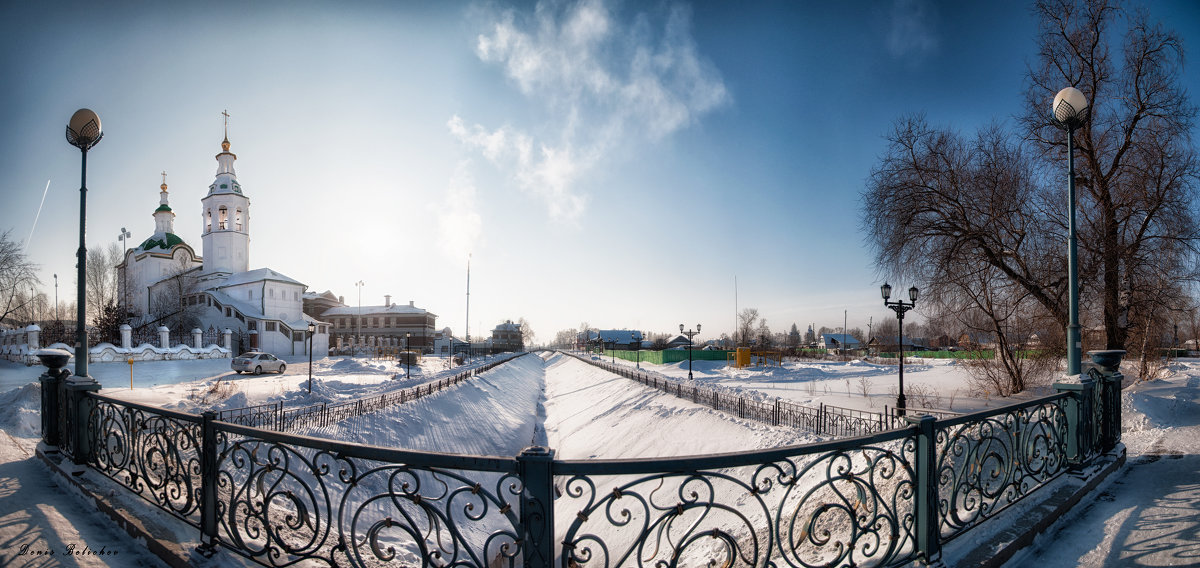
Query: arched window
{"type": "Point", "coordinates": [222, 218]}
{"type": "Point", "coordinates": [237, 220]}
{"type": "Point", "coordinates": [208, 222]}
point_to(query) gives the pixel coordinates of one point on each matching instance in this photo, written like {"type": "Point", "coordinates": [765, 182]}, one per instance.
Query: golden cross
{"type": "Point", "coordinates": [164, 175]}
{"type": "Point", "coordinates": [225, 113]}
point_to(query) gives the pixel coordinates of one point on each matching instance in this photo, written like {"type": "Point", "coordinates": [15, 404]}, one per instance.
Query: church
{"type": "Point", "coordinates": [167, 283]}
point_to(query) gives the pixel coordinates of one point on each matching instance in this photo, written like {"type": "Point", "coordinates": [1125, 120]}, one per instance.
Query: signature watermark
{"type": "Point", "coordinates": [68, 549]}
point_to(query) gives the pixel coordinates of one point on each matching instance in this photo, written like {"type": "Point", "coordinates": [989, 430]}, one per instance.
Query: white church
{"type": "Point", "coordinates": [263, 307]}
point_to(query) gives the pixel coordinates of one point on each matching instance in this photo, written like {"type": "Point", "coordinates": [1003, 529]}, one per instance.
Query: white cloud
{"type": "Point", "coordinates": [911, 30]}
{"type": "Point", "coordinates": [602, 83]}
{"type": "Point", "coordinates": [458, 220]}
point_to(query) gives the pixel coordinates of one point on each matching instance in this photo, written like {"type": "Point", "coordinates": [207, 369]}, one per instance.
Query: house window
{"type": "Point", "coordinates": [222, 218]}
{"type": "Point", "coordinates": [296, 295]}
{"type": "Point", "coordinates": [237, 219]}
{"type": "Point", "coordinates": [271, 292]}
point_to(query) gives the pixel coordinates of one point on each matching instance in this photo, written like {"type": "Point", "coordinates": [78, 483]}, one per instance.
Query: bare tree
{"type": "Point", "coordinates": [17, 278]}
{"type": "Point", "coordinates": [941, 205]}
{"type": "Point", "coordinates": [101, 276]}
{"type": "Point", "coordinates": [169, 300]}
{"type": "Point", "coordinates": [746, 324]}
{"type": "Point", "coordinates": [527, 335]}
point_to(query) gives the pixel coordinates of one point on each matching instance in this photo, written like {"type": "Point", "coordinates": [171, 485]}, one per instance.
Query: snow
{"type": "Point", "coordinates": [1146, 514]}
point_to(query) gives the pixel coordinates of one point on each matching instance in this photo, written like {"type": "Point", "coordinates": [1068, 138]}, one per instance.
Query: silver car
{"type": "Point", "coordinates": [257, 362]}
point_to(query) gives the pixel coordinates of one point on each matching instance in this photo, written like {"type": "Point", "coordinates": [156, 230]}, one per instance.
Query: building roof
{"type": "Point", "coordinates": [256, 275]}
{"type": "Point", "coordinates": [829, 338]}
{"type": "Point", "coordinates": [166, 242]}
{"type": "Point", "coordinates": [394, 309]}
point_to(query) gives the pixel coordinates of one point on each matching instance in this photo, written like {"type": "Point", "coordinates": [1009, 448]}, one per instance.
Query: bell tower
{"type": "Point", "coordinates": [225, 217]}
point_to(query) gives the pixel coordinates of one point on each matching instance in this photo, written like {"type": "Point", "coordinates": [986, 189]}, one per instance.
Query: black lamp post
{"type": "Point", "coordinates": [689, 333]}
{"type": "Point", "coordinates": [56, 297]}
{"type": "Point", "coordinates": [312, 328]}
{"type": "Point", "coordinates": [83, 132]}
{"type": "Point", "coordinates": [1070, 112]}
{"type": "Point", "coordinates": [638, 350]}
{"type": "Point", "coordinates": [407, 357]}
{"type": "Point", "coordinates": [900, 308]}
{"type": "Point", "coordinates": [124, 238]}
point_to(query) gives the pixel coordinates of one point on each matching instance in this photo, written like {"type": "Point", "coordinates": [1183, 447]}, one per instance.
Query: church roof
{"type": "Point", "coordinates": [165, 242]}
{"type": "Point", "coordinates": [163, 207]}
{"type": "Point", "coordinates": [256, 275]}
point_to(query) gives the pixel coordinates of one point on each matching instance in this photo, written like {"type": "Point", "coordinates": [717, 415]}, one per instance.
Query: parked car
{"type": "Point", "coordinates": [257, 362]}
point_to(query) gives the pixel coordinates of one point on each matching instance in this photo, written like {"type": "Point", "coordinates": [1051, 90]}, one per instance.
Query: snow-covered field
{"type": "Point", "coordinates": [583, 412]}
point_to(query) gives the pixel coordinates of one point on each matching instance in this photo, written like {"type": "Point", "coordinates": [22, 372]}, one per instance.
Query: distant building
{"type": "Point", "coordinates": [507, 337]}
{"type": "Point", "coordinates": [838, 341]}
{"type": "Point", "coordinates": [386, 325]}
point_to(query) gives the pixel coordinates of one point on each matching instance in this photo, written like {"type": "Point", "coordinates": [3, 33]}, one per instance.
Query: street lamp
{"type": "Point", "coordinates": [123, 237]}
{"type": "Point", "coordinates": [407, 357]}
{"type": "Point", "coordinates": [359, 339]}
{"type": "Point", "coordinates": [56, 297]}
{"type": "Point", "coordinates": [1070, 112]}
{"type": "Point", "coordinates": [312, 328]}
{"type": "Point", "coordinates": [638, 350]}
{"type": "Point", "coordinates": [690, 334]}
{"type": "Point", "coordinates": [83, 132]}
{"type": "Point", "coordinates": [900, 308]}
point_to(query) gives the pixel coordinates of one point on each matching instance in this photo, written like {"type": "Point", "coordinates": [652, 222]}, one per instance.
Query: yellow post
{"type": "Point", "coordinates": [130, 361]}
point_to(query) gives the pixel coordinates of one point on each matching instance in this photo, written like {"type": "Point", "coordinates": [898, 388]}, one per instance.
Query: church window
{"type": "Point", "coordinates": [250, 294]}
{"type": "Point", "coordinates": [251, 324]}
{"type": "Point", "coordinates": [228, 313]}
{"type": "Point", "coordinates": [271, 292]}
{"type": "Point", "coordinates": [237, 220]}
{"type": "Point", "coordinates": [208, 222]}
{"type": "Point", "coordinates": [222, 218]}
{"type": "Point", "coordinates": [270, 326]}
{"type": "Point", "coordinates": [224, 186]}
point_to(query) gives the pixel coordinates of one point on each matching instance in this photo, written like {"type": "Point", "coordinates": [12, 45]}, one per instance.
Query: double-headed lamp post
{"type": "Point", "coordinates": [124, 238]}
{"type": "Point", "coordinates": [83, 132]}
{"type": "Point", "coordinates": [312, 328]}
{"type": "Point", "coordinates": [1070, 112]}
{"type": "Point", "coordinates": [689, 333]}
{"type": "Point", "coordinates": [900, 307]}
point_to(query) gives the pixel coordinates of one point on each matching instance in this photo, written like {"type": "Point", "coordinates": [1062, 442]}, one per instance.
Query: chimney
{"type": "Point", "coordinates": [410, 304]}
{"type": "Point", "coordinates": [387, 300]}
{"type": "Point", "coordinates": [342, 300]}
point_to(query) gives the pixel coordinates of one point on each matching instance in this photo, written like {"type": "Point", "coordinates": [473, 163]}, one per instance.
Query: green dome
{"type": "Point", "coordinates": [162, 208]}
{"type": "Point", "coordinates": [172, 240]}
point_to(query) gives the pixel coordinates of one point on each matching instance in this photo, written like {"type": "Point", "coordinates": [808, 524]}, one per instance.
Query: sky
{"type": "Point", "coordinates": [615, 163]}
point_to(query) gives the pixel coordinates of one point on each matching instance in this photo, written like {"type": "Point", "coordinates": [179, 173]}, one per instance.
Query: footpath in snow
{"type": "Point", "coordinates": [1149, 513]}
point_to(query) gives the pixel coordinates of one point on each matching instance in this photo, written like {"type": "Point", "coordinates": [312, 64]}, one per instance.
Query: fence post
{"type": "Point", "coordinates": [1078, 408]}
{"type": "Point", "coordinates": [775, 413]}
{"type": "Point", "coordinates": [79, 412]}
{"type": "Point", "coordinates": [535, 465]}
{"type": "Point", "coordinates": [928, 543]}
{"type": "Point", "coordinates": [208, 484]}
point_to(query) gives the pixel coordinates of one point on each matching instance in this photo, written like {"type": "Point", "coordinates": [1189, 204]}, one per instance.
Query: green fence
{"type": "Point", "coordinates": [985, 354]}
{"type": "Point", "coordinates": [668, 356]}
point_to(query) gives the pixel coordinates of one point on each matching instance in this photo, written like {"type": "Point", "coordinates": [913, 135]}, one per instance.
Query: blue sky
{"type": "Point", "coordinates": [611, 162]}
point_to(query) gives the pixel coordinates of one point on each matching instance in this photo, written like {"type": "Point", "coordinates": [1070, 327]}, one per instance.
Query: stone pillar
{"type": "Point", "coordinates": [55, 361]}
{"type": "Point", "coordinates": [31, 336]}
{"type": "Point", "coordinates": [227, 339]}
{"type": "Point", "coordinates": [197, 337]}
{"type": "Point", "coordinates": [126, 336]}
{"type": "Point", "coordinates": [164, 337]}
{"type": "Point", "coordinates": [77, 414]}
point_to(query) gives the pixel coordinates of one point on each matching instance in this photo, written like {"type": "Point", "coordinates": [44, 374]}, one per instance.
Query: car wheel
{"type": "Point", "coordinates": [281, 368]}
{"type": "Point", "coordinates": [238, 372]}
{"type": "Point", "coordinates": [258, 370]}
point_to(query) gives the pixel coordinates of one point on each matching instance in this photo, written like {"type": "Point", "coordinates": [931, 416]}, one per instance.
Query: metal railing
{"type": "Point", "coordinates": [881, 500]}
{"type": "Point", "coordinates": [276, 416]}
{"type": "Point", "coordinates": [822, 419]}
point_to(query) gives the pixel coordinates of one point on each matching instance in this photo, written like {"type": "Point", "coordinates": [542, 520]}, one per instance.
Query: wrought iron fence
{"type": "Point", "coordinates": [880, 500]}
{"type": "Point", "coordinates": [280, 418]}
{"type": "Point", "coordinates": [823, 419]}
